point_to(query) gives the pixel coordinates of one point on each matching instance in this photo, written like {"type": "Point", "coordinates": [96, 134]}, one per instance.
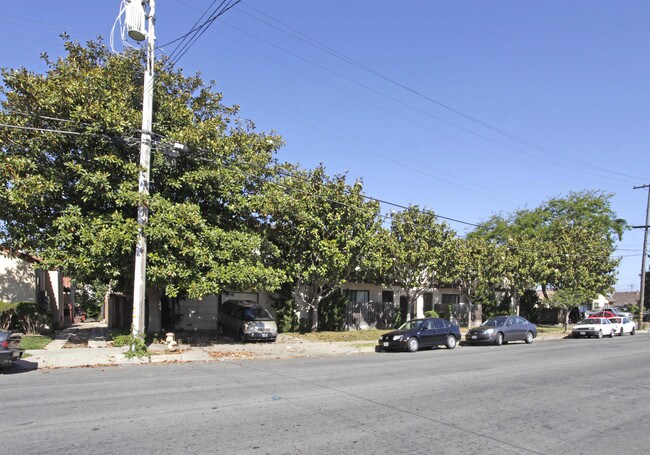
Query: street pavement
{"type": "Point", "coordinates": [575, 396]}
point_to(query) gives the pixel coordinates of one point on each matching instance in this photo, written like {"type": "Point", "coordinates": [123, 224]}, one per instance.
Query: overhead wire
{"type": "Point", "coordinates": [315, 43]}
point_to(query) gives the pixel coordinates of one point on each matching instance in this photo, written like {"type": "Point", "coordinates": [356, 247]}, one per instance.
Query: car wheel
{"type": "Point", "coordinates": [599, 334]}
{"type": "Point", "coordinates": [241, 337]}
{"type": "Point", "coordinates": [611, 335]}
{"type": "Point", "coordinates": [412, 344]}
{"type": "Point", "coordinates": [621, 332]}
{"type": "Point", "coordinates": [529, 337]}
{"type": "Point", "coordinates": [451, 342]}
{"type": "Point", "coordinates": [633, 331]}
{"type": "Point", "coordinates": [499, 339]}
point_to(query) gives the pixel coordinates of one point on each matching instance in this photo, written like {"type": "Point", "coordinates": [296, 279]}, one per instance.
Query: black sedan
{"type": "Point", "coordinates": [417, 333]}
{"type": "Point", "coordinates": [501, 329]}
{"type": "Point", "coordinates": [9, 348]}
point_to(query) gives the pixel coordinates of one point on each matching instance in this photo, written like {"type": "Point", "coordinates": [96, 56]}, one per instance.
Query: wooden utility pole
{"type": "Point", "coordinates": [645, 252]}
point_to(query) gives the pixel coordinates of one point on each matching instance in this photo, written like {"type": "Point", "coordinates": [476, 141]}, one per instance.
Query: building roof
{"type": "Point", "coordinates": [624, 298]}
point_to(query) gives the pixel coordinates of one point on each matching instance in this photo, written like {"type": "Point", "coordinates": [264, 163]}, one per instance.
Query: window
{"type": "Point", "coordinates": [357, 296]}
{"type": "Point", "coordinates": [450, 299]}
{"type": "Point", "coordinates": [427, 301]}
{"type": "Point", "coordinates": [387, 296]}
{"type": "Point", "coordinates": [439, 324]}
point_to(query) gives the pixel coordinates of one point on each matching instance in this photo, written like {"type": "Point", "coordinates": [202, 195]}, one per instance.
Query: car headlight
{"type": "Point", "coordinates": [397, 337]}
{"type": "Point", "coordinates": [489, 331]}
{"type": "Point", "coordinates": [251, 327]}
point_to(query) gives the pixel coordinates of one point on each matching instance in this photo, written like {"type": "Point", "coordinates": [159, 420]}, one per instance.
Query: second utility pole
{"type": "Point", "coordinates": [645, 250]}
{"type": "Point", "coordinates": [140, 276]}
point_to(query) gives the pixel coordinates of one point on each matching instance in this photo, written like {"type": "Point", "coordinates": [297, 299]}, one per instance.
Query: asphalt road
{"type": "Point", "coordinates": [571, 396]}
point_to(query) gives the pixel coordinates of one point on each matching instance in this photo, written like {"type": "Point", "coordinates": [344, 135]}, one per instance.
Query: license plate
{"type": "Point", "coordinates": [473, 337]}
{"type": "Point", "coordinates": [582, 333]}
{"type": "Point", "coordinates": [264, 335]}
{"type": "Point", "coordinates": [385, 344]}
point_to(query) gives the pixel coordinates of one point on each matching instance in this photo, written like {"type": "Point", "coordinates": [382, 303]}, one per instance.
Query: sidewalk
{"type": "Point", "coordinates": [99, 353]}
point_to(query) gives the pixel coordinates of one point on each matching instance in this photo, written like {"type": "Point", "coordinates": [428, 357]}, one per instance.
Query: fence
{"type": "Point", "coordinates": [375, 315]}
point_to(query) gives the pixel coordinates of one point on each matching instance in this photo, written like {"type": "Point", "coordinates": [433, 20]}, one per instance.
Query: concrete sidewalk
{"type": "Point", "coordinates": [100, 353]}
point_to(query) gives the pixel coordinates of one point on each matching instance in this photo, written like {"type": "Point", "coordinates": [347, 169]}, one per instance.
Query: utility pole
{"type": "Point", "coordinates": [140, 276]}
{"type": "Point", "coordinates": [645, 246]}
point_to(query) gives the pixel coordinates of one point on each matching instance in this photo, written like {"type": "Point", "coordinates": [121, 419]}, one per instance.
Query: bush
{"type": "Point", "coordinates": [7, 315]}
{"type": "Point", "coordinates": [138, 347]}
{"type": "Point", "coordinates": [431, 314]}
{"type": "Point", "coordinates": [33, 317]}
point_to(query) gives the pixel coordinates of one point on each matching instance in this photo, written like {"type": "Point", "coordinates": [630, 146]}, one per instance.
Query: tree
{"type": "Point", "coordinates": [418, 253]}
{"type": "Point", "coordinates": [477, 269]}
{"type": "Point", "coordinates": [563, 245]}
{"type": "Point", "coordinates": [323, 227]}
{"type": "Point", "coordinates": [72, 198]}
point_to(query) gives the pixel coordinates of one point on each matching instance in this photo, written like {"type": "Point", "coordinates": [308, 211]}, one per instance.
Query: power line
{"type": "Point", "coordinates": [315, 43]}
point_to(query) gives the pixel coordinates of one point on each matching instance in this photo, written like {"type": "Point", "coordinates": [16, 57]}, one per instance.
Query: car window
{"type": "Point", "coordinates": [520, 320]}
{"type": "Point", "coordinates": [626, 320]}
{"type": "Point", "coordinates": [438, 323]}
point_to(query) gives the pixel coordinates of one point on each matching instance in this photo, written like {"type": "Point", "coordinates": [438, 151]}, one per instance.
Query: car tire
{"type": "Point", "coordinates": [529, 337]}
{"type": "Point", "coordinates": [412, 345]}
{"type": "Point", "coordinates": [621, 332]}
{"type": "Point", "coordinates": [499, 339]}
{"type": "Point", "coordinates": [599, 334]}
{"type": "Point", "coordinates": [451, 342]}
{"type": "Point", "coordinates": [633, 331]}
{"type": "Point", "coordinates": [241, 337]}
{"type": "Point", "coordinates": [611, 335]}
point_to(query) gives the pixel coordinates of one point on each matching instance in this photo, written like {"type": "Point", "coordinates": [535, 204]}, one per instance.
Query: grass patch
{"type": "Point", "coordinates": [30, 342]}
{"type": "Point", "coordinates": [350, 335]}
{"type": "Point", "coordinates": [553, 328]}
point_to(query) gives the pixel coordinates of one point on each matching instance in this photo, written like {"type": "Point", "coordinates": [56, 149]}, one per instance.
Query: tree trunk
{"type": "Point", "coordinates": [314, 315]}
{"type": "Point", "coordinates": [153, 296]}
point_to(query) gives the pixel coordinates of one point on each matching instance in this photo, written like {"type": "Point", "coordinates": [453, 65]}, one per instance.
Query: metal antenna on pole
{"type": "Point", "coordinates": [645, 246]}
{"type": "Point", "coordinates": [140, 276]}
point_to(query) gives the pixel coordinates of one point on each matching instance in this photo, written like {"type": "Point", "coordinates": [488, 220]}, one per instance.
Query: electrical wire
{"type": "Point", "coordinates": [315, 43]}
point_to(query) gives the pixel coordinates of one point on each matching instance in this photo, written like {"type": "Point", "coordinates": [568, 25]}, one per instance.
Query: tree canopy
{"type": "Point", "coordinates": [69, 173]}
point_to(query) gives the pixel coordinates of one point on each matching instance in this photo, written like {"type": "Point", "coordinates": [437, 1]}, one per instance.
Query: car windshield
{"type": "Point", "coordinates": [409, 325]}
{"type": "Point", "coordinates": [590, 321]}
{"type": "Point", "coordinates": [255, 313]}
{"type": "Point", "coordinates": [494, 322]}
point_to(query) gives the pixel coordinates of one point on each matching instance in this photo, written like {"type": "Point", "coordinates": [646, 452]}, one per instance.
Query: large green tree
{"type": "Point", "coordinates": [324, 228]}
{"type": "Point", "coordinates": [418, 253]}
{"type": "Point", "coordinates": [69, 173]}
{"type": "Point", "coordinates": [565, 244]}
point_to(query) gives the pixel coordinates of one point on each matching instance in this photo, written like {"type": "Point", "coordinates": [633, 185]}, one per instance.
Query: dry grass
{"type": "Point", "coordinates": [351, 335]}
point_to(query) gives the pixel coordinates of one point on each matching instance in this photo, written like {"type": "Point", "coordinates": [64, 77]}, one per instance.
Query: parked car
{"type": "Point", "coordinates": [594, 327]}
{"type": "Point", "coordinates": [623, 325]}
{"type": "Point", "coordinates": [420, 333]}
{"type": "Point", "coordinates": [621, 312]}
{"type": "Point", "coordinates": [247, 320]}
{"type": "Point", "coordinates": [10, 350]}
{"type": "Point", "coordinates": [502, 329]}
{"type": "Point", "coordinates": [604, 314]}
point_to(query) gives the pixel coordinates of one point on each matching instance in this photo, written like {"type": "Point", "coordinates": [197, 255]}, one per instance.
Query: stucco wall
{"type": "Point", "coordinates": [17, 280]}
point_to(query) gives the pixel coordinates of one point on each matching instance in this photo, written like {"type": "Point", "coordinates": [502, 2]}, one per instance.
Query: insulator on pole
{"type": "Point", "coordinates": [135, 19]}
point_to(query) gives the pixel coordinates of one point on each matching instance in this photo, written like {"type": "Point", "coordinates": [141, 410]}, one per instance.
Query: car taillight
{"type": "Point", "coordinates": [5, 344]}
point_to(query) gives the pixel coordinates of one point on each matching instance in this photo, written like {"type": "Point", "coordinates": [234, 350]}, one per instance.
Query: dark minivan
{"type": "Point", "coordinates": [248, 320]}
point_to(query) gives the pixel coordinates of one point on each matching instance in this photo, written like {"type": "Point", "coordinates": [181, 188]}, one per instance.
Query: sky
{"type": "Point", "coordinates": [468, 108]}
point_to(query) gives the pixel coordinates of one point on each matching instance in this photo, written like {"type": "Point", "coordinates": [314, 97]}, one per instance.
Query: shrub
{"type": "Point", "coordinates": [138, 347]}
{"type": "Point", "coordinates": [7, 315]}
{"type": "Point", "coordinates": [431, 314]}
{"type": "Point", "coordinates": [33, 317]}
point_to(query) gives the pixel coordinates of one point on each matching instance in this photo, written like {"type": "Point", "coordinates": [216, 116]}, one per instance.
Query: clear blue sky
{"type": "Point", "coordinates": [363, 86]}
